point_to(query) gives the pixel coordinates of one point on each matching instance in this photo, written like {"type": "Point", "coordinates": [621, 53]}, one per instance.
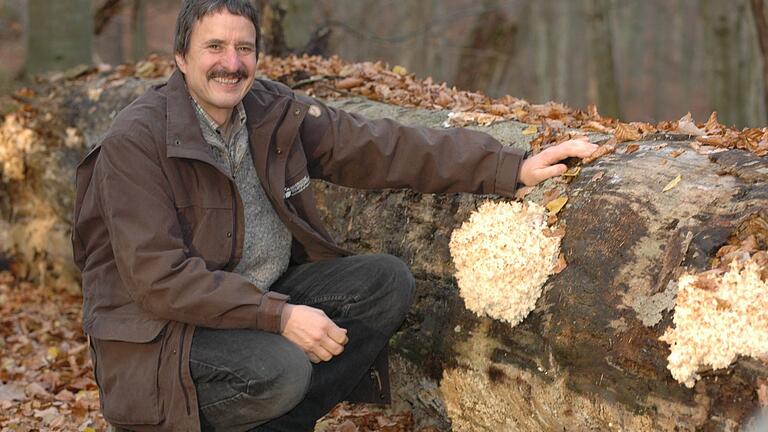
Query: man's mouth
{"type": "Point", "coordinates": [228, 81]}
{"type": "Point", "coordinates": [227, 78]}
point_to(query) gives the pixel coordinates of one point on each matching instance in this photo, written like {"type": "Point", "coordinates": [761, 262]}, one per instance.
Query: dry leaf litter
{"type": "Point", "coordinates": [503, 256]}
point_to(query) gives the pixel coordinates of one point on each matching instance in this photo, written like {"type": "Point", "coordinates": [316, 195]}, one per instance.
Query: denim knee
{"type": "Point", "coordinates": [256, 393]}
{"type": "Point", "coordinates": [397, 283]}
{"type": "Point", "coordinates": [289, 387]}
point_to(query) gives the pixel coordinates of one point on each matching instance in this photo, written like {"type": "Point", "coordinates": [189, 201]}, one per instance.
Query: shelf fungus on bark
{"type": "Point", "coordinates": [16, 142]}
{"type": "Point", "coordinates": [719, 315]}
{"type": "Point", "coordinates": [503, 256]}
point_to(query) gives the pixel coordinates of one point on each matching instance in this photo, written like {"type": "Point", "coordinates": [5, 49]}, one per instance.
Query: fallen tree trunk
{"type": "Point", "coordinates": [589, 355]}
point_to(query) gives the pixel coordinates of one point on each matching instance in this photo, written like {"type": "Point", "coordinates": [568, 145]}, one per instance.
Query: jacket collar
{"type": "Point", "coordinates": [264, 110]}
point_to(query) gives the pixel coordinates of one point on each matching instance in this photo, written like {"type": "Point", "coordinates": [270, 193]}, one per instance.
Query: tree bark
{"type": "Point", "coordinates": [602, 58]}
{"type": "Point", "coordinates": [761, 26]}
{"type": "Point", "coordinates": [272, 39]}
{"type": "Point", "coordinates": [487, 48]}
{"type": "Point", "coordinates": [104, 15]}
{"type": "Point", "coordinates": [59, 35]}
{"type": "Point", "coordinates": [138, 30]}
{"type": "Point", "coordinates": [587, 358]}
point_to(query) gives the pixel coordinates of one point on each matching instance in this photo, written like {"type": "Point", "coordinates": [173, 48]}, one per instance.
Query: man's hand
{"type": "Point", "coordinates": [544, 165]}
{"type": "Point", "coordinates": [313, 332]}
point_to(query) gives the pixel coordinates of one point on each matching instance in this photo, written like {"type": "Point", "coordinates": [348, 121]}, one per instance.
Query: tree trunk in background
{"type": "Point", "coordinates": [298, 25]}
{"type": "Point", "coordinates": [104, 14]}
{"type": "Point", "coordinates": [138, 30]}
{"type": "Point", "coordinates": [420, 53]}
{"type": "Point", "coordinates": [761, 27]}
{"type": "Point", "coordinates": [563, 21]}
{"type": "Point", "coordinates": [540, 34]}
{"type": "Point", "coordinates": [683, 56]}
{"type": "Point", "coordinates": [272, 38]}
{"type": "Point", "coordinates": [59, 35]}
{"type": "Point", "coordinates": [660, 63]}
{"type": "Point", "coordinates": [487, 49]}
{"type": "Point", "coordinates": [720, 32]}
{"type": "Point", "coordinates": [601, 45]}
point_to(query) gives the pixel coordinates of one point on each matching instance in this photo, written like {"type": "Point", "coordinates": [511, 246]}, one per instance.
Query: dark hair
{"type": "Point", "coordinates": [193, 11]}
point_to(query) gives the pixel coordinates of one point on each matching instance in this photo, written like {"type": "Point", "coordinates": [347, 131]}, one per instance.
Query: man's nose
{"type": "Point", "coordinates": [231, 60]}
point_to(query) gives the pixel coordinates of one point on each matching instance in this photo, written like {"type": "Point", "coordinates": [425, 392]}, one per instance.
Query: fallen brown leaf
{"type": "Point", "coordinates": [572, 172]}
{"type": "Point", "coordinates": [593, 126]}
{"type": "Point", "coordinates": [625, 132]}
{"type": "Point", "coordinates": [686, 126]}
{"type": "Point", "coordinates": [556, 205]}
{"type": "Point", "coordinates": [349, 83]}
{"type": "Point", "coordinates": [601, 151]}
{"type": "Point", "coordinates": [550, 195]}
{"type": "Point", "coordinates": [677, 153]}
{"type": "Point", "coordinates": [523, 191]}
{"type": "Point", "coordinates": [560, 265]}
{"type": "Point", "coordinates": [631, 148]}
{"type": "Point", "coordinates": [671, 185]}
{"type": "Point", "coordinates": [598, 175]}
{"type": "Point", "coordinates": [712, 125]}
{"type": "Point", "coordinates": [348, 426]}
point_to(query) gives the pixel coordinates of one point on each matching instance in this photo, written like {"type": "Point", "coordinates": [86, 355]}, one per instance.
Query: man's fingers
{"type": "Point", "coordinates": [322, 353]}
{"type": "Point", "coordinates": [338, 335]}
{"type": "Point", "coordinates": [313, 358]}
{"type": "Point", "coordinates": [331, 346]}
{"type": "Point", "coordinates": [579, 148]}
{"type": "Point", "coordinates": [583, 149]}
{"type": "Point", "coordinates": [551, 171]}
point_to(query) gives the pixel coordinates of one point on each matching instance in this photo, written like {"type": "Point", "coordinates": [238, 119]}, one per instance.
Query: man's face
{"type": "Point", "coordinates": [220, 63]}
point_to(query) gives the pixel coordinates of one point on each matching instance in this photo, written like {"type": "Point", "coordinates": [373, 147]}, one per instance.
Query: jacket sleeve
{"type": "Point", "coordinates": [351, 150]}
{"type": "Point", "coordinates": [139, 212]}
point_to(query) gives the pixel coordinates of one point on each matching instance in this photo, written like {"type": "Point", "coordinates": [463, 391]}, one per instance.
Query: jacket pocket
{"type": "Point", "coordinates": [207, 233]}
{"type": "Point", "coordinates": [127, 375]}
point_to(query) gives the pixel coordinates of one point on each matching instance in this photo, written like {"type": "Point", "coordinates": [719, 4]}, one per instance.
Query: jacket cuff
{"type": "Point", "coordinates": [508, 170]}
{"type": "Point", "coordinates": [271, 311]}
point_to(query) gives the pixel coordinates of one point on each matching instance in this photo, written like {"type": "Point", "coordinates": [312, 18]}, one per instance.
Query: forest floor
{"type": "Point", "coordinates": [46, 378]}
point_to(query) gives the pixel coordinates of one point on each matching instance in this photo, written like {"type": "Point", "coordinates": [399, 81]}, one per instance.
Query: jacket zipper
{"type": "Point", "coordinates": [181, 365]}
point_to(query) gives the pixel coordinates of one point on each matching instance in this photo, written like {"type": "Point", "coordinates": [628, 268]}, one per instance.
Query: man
{"type": "Point", "coordinates": [214, 299]}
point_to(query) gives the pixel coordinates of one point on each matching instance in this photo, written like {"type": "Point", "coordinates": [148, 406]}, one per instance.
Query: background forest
{"type": "Point", "coordinates": [640, 60]}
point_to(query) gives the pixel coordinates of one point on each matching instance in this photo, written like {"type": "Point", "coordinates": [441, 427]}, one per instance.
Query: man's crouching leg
{"type": "Point", "coordinates": [245, 378]}
{"type": "Point", "coordinates": [369, 295]}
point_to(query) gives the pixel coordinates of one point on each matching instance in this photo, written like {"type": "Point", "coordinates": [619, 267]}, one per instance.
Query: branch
{"type": "Point", "coordinates": [104, 15]}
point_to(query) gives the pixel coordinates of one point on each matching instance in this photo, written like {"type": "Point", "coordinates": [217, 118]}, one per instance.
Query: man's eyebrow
{"type": "Point", "coordinates": [213, 41]}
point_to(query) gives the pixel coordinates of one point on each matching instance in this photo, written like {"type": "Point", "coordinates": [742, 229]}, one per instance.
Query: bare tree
{"type": "Point", "coordinates": [59, 35]}
{"type": "Point", "coordinates": [761, 26]}
{"type": "Point", "coordinates": [603, 59]}
{"type": "Point", "coordinates": [138, 29]}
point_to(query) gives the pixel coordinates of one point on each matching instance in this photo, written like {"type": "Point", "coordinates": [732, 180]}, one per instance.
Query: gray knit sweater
{"type": "Point", "coordinates": [267, 245]}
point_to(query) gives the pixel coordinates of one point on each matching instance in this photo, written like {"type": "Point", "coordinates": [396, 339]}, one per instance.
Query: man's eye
{"type": "Point", "coordinates": [245, 49]}
{"type": "Point", "coordinates": [214, 46]}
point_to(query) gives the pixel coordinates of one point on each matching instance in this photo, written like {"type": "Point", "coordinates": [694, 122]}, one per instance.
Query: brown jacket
{"type": "Point", "coordinates": [158, 227]}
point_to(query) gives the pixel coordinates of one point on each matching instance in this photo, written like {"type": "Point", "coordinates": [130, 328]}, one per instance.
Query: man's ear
{"type": "Point", "coordinates": [181, 63]}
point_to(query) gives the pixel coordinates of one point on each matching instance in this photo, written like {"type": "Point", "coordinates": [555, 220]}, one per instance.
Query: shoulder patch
{"type": "Point", "coordinates": [315, 111]}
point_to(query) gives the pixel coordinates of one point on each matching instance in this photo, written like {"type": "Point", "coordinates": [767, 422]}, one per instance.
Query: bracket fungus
{"type": "Point", "coordinates": [503, 256]}
{"type": "Point", "coordinates": [718, 316]}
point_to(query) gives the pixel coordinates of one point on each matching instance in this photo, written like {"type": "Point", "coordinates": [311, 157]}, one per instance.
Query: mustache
{"type": "Point", "coordinates": [221, 73]}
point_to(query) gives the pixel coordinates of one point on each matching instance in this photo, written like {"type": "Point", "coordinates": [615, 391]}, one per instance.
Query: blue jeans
{"type": "Point", "coordinates": [253, 380]}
